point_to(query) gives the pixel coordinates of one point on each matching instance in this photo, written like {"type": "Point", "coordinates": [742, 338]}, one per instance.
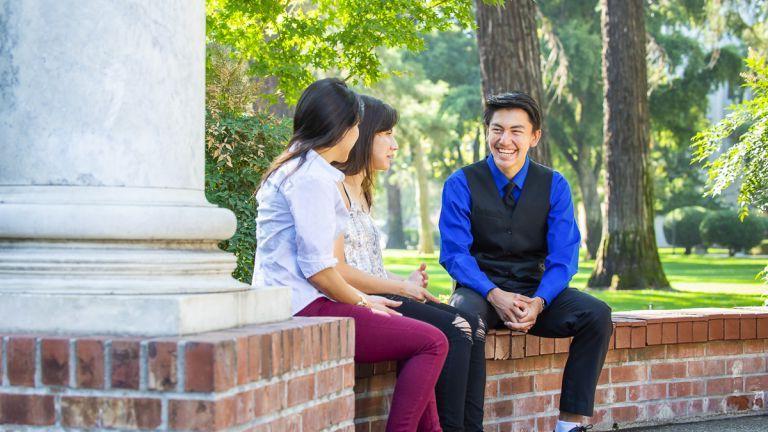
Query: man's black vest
{"type": "Point", "coordinates": [510, 244]}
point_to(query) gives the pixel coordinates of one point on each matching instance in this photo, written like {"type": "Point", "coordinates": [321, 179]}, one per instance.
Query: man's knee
{"type": "Point", "coordinates": [600, 317]}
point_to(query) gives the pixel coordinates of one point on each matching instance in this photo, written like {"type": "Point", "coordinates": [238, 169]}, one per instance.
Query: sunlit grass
{"type": "Point", "coordinates": [713, 280]}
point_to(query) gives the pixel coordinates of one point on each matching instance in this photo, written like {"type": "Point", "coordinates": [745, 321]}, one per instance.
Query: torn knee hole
{"type": "Point", "coordinates": [480, 333]}
{"type": "Point", "coordinates": [463, 325]}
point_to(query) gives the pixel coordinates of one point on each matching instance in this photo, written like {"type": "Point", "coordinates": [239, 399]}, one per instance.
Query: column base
{"type": "Point", "coordinates": [148, 315]}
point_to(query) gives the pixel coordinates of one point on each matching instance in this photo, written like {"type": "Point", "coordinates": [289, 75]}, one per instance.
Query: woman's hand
{"type": "Point", "coordinates": [419, 276]}
{"type": "Point", "coordinates": [416, 292]}
{"type": "Point", "coordinates": [383, 304]}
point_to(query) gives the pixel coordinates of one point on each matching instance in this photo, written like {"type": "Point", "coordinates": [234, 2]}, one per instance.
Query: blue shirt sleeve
{"type": "Point", "coordinates": [456, 236]}
{"type": "Point", "coordinates": [563, 241]}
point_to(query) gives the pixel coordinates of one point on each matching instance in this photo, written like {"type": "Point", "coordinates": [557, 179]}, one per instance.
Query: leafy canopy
{"type": "Point", "coordinates": [290, 39]}
{"type": "Point", "coordinates": [747, 158]}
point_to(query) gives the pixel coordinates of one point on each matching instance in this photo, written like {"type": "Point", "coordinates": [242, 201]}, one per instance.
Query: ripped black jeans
{"type": "Point", "coordinates": [461, 386]}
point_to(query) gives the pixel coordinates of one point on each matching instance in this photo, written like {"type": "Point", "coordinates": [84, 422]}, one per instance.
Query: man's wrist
{"type": "Point", "coordinates": [543, 302]}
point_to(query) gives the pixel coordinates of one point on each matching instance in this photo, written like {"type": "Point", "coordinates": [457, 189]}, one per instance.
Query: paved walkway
{"type": "Point", "coordinates": [741, 424]}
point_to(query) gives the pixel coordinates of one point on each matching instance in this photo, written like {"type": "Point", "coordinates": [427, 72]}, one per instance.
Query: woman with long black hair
{"type": "Point", "coordinates": [461, 385]}
{"type": "Point", "coordinates": [300, 214]}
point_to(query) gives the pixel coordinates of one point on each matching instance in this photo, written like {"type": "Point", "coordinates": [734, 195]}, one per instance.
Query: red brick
{"type": "Point", "coordinates": [335, 335]}
{"type": "Point", "coordinates": [54, 360]}
{"type": "Point", "coordinates": [685, 351]}
{"type": "Point", "coordinates": [517, 346]}
{"type": "Point", "coordinates": [371, 406]}
{"type": "Point", "coordinates": [700, 331]}
{"type": "Point", "coordinates": [161, 365]}
{"type": "Point", "coordinates": [653, 334]}
{"type": "Point", "coordinates": [610, 395]}
{"type": "Point", "coordinates": [762, 328]}
{"type": "Point", "coordinates": [628, 373]}
{"type": "Point", "coordinates": [241, 353]}
{"type": "Point", "coordinates": [562, 345]}
{"type": "Point", "coordinates": [623, 336]}
{"type": "Point", "coordinates": [722, 386]}
{"type": "Point", "coordinates": [269, 399]}
{"type": "Point", "coordinates": [547, 382]}
{"type": "Point", "coordinates": [755, 346]}
{"type": "Point", "coordinates": [546, 423]}
{"type": "Point", "coordinates": [209, 366]}
{"type": "Point", "coordinates": [531, 345]}
{"type": "Point", "coordinates": [490, 346]}
{"type": "Point", "coordinates": [748, 365]}
{"type": "Point", "coordinates": [286, 342]}
{"type": "Point", "coordinates": [698, 368]}
{"type": "Point", "coordinates": [756, 383]}
{"type": "Point", "coordinates": [22, 409]}
{"type": "Point", "coordinates": [732, 328]}
{"type": "Point", "coordinates": [301, 389]}
{"type": "Point", "coordinates": [515, 385]}
{"type": "Point", "coordinates": [748, 328]}
{"type": "Point", "coordinates": [89, 372]}
{"type": "Point", "coordinates": [385, 381]}
{"type": "Point", "coordinates": [638, 336]}
{"type": "Point", "coordinates": [685, 332]}
{"type": "Point", "coordinates": [667, 410]}
{"type": "Point", "coordinates": [124, 413]}
{"type": "Point", "coordinates": [325, 341]}
{"type": "Point", "coordinates": [245, 407]}
{"type": "Point", "coordinates": [680, 389]}
{"type": "Point", "coordinates": [330, 380]}
{"type": "Point", "coordinates": [21, 361]}
{"type": "Point", "coordinates": [647, 392]}
{"type": "Point", "coordinates": [524, 425]}
{"type": "Point", "coordinates": [348, 375]}
{"type": "Point", "coordinates": [255, 355]}
{"type": "Point", "coordinates": [79, 412]}
{"type": "Point", "coordinates": [125, 364]}
{"type": "Point", "coordinates": [533, 405]}
{"type": "Point", "coordinates": [627, 414]}
{"type": "Point", "coordinates": [668, 332]}
{"type": "Point", "coordinates": [648, 353]}
{"type": "Point", "coordinates": [603, 378]}
{"type": "Point", "coordinates": [559, 361]}
{"type": "Point", "coordinates": [502, 345]}
{"type": "Point", "coordinates": [201, 415]}
{"type": "Point", "coordinates": [666, 371]}
{"type": "Point", "coordinates": [546, 346]}
{"type": "Point", "coordinates": [499, 409]}
{"type": "Point", "coordinates": [738, 403]}
{"type": "Point", "coordinates": [617, 356]}
{"type": "Point", "coordinates": [716, 329]}
{"type": "Point", "coordinates": [491, 389]}
{"type": "Point", "coordinates": [724, 348]}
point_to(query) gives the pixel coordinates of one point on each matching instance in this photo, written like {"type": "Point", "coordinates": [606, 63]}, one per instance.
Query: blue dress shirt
{"type": "Point", "coordinates": [563, 237]}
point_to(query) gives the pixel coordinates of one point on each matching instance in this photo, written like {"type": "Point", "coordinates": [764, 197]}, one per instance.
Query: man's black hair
{"type": "Point", "coordinates": [513, 100]}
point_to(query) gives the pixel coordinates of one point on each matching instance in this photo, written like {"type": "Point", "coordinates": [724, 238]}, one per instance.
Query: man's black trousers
{"type": "Point", "coordinates": [572, 313]}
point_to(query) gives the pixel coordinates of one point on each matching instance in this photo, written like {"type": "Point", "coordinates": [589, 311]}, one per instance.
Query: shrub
{"type": "Point", "coordinates": [681, 227]}
{"type": "Point", "coordinates": [238, 150]}
{"type": "Point", "coordinates": [725, 229]}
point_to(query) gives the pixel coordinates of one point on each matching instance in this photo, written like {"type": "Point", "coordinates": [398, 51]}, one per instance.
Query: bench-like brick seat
{"type": "Point", "coordinates": [662, 367]}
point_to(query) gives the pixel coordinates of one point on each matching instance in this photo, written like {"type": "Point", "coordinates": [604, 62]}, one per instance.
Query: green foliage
{"type": "Point", "coordinates": [747, 158]}
{"type": "Point", "coordinates": [290, 40]}
{"type": "Point", "coordinates": [681, 227]}
{"type": "Point", "coordinates": [726, 229]}
{"type": "Point", "coordinates": [238, 150]}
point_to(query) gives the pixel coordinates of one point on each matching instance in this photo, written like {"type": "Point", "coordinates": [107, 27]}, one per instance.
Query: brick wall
{"type": "Point", "coordinates": [295, 375]}
{"type": "Point", "coordinates": [663, 367]}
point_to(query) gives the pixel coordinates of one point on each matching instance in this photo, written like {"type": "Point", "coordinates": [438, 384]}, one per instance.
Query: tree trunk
{"type": "Point", "coordinates": [628, 257]}
{"type": "Point", "coordinates": [510, 58]}
{"type": "Point", "coordinates": [592, 210]}
{"type": "Point", "coordinates": [476, 145]}
{"type": "Point", "coordinates": [395, 232]}
{"type": "Point", "coordinates": [426, 244]}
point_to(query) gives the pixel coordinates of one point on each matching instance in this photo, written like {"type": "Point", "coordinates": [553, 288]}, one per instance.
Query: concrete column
{"type": "Point", "coordinates": [104, 226]}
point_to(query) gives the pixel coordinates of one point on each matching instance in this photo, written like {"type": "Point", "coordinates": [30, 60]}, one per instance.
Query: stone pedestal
{"type": "Point", "coordinates": [104, 226]}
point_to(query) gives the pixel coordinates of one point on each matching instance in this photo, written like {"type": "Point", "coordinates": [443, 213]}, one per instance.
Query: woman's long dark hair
{"type": "Point", "coordinates": [325, 112]}
{"type": "Point", "coordinates": [379, 117]}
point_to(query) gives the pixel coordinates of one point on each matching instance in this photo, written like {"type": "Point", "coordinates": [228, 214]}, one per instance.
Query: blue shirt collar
{"type": "Point", "coordinates": [501, 180]}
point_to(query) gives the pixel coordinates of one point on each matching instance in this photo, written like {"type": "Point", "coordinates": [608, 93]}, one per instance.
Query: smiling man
{"type": "Point", "coordinates": [510, 240]}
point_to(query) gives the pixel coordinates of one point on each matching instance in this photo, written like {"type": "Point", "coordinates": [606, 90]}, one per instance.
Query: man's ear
{"type": "Point", "coordinates": [536, 138]}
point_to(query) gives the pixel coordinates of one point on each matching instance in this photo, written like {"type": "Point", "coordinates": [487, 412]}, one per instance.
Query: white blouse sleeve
{"type": "Point", "coordinates": [312, 202]}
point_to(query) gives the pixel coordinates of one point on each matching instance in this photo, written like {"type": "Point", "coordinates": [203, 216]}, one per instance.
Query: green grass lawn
{"type": "Point", "coordinates": [713, 280]}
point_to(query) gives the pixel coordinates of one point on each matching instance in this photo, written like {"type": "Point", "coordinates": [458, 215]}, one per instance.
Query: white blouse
{"type": "Point", "coordinates": [300, 214]}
